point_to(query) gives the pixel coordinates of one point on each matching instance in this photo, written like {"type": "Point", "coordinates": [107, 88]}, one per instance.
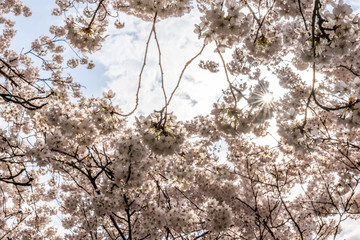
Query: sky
{"type": "Point", "coordinates": [118, 63]}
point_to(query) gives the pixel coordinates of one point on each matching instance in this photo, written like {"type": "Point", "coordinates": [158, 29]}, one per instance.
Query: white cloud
{"type": "Point", "coordinates": [351, 230]}
{"type": "Point", "coordinates": [355, 4]}
{"type": "Point", "coordinates": [123, 54]}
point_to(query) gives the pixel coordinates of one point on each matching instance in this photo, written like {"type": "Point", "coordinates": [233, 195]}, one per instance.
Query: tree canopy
{"type": "Point", "coordinates": [76, 163]}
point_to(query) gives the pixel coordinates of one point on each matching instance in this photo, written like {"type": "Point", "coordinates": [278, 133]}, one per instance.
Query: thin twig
{"type": "Point", "coordinates": [182, 73]}
{"type": "Point", "coordinates": [227, 75]}
{"type": "Point", "coordinates": [96, 10]}
{"type": "Point", "coordinates": [263, 20]}
{"type": "Point", "coordinates": [141, 71]}
{"type": "Point", "coordinates": [161, 69]}
{"type": "Point", "coordinates": [302, 15]}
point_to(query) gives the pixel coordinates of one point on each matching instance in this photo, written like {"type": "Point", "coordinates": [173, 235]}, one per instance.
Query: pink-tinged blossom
{"type": "Point", "coordinates": [215, 176]}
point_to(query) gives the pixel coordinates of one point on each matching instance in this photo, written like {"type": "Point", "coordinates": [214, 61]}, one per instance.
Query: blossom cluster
{"type": "Point", "coordinates": [161, 137]}
{"type": "Point", "coordinates": [224, 26]}
{"type": "Point", "coordinates": [75, 157]}
{"type": "Point", "coordinates": [146, 9]}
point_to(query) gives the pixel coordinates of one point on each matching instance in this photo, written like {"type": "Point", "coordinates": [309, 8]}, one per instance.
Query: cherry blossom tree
{"type": "Point", "coordinates": [77, 158]}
